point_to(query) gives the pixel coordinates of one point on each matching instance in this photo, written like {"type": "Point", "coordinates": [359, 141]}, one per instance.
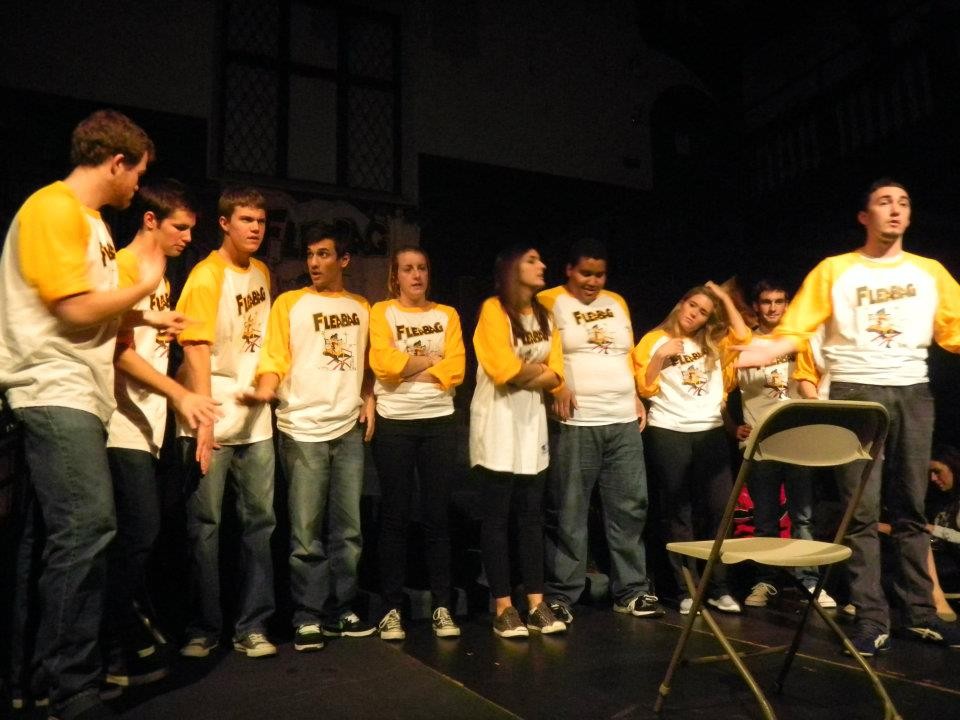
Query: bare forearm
{"type": "Point", "coordinates": [546, 380]}
{"type": "Point", "coordinates": [140, 370]}
{"type": "Point", "coordinates": [92, 308]}
{"type": "Point", "coordinates": [416, 364]}
{"type": "Point", "coordinates": [196, 361]}
{"type": "Point", "coordinates": [527, 373]}
{"type": "Point", "coordinates": [808, 391]}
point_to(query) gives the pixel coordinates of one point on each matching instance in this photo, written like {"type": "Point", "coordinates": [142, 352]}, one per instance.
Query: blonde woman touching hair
{"type": "Point", "coordinates": [685, 368]}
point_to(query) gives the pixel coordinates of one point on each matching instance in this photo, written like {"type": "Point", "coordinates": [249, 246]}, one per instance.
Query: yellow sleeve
{"type": "Point", "coordinates": [548, 298]}
{"type": "Point", "coordinates": [493, 343]}
{"type": "Point", "coordinates": [555, 359]}
{"type": "Point", "coordinates": [128, 272]}
{"type": "Point", "coordinates": [386, 361]}
{"type": "Point", "coordinates": [275, 354]}
{"type": "Point", "coordinates": [199, 302]}
{"type": "Point", "coordinates": [806, 366]}
{"type": "Point", "coordinates": [812, 305]}
{"type": "Point", "coordinates": [641, 355]}
{"type": "Point", "coordinates": [52, 245]}
{"type": "Point", "coordinates": [728, 357]}
{"type": "Point", "coordinates": [451, 369]}
{"type": "Point", "coordinates": [946, 321]}
{"type": "Point", "coordinates": [626, 310]}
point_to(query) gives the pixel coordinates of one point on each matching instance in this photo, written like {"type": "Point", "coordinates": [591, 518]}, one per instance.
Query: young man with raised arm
{"type": "Point", "coordinates": [882, 307]}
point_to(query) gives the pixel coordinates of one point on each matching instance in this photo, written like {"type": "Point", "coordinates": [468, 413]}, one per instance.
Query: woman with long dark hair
{"type": "Point", "coordinates": [684, 367]}
{"type": "Point", "coordinates": [519, 356]}
{"type": "Point", "coordinates": [417, 355]}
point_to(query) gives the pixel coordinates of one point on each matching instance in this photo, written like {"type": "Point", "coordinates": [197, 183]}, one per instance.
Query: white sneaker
{"type": "Point", "coordinates": [685, 606]}
{"type": "Point", "coordinates": [760, 595]}
{"type": "Point", "coordinates": [725, 603]}
{"type": "Point", "coordinates": [825, 601]}
{"type": "Point", "coordinates": [443, 624]}
{"type": "Point", "coordinates": [391, 627]}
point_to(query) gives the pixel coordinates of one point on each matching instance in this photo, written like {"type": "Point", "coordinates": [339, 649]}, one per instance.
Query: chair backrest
{"type": "Point", "coordinates": [821, 433]}
{"type": "Point", "coordinates": [816, 433]}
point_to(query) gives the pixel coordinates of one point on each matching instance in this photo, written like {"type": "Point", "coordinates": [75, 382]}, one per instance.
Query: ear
{"type": "Point", "coordinates": [117, 163]}
{"type": "Point", "coordinates": [862, 217]}
{"type": "Point", "coordinates": [345, 260]}
{"type": "Point", "coordinates": [569, 269]}
{"type": "Point", "coordinates": [224, 223]}
{"type": "Point", "coordinates": [150, 221]}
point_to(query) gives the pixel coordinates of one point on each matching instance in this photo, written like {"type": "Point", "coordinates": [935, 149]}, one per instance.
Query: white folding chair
{"type": "Point", "coordinates": [814, 433]}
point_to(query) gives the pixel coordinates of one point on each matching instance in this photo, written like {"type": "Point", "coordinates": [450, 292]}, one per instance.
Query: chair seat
{"type": "Point", "coordinates": [779, 552]}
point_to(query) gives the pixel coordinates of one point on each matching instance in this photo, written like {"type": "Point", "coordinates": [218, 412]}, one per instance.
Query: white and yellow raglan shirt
{"type": "Point", "coordinates": [141, 416]}
{"type": "Point", "coordinates": [56, 248]}
{"type": "Point", "coordinates": [397, 333]}
{"type": "Point", "coordinates": [232, 305]}
{"type": "Point", "coordinates": [763, 388]}
{"type": "Point", "coordinates": [880, 316]}
{"type": "Point", "coordinates": [689, 392]}
{"type": "Point", "coordinates": [317, 345]}
{"type": "Point", "coordinates": [597, 341]}
{"type": "Point", "coordinates": [508, 425]}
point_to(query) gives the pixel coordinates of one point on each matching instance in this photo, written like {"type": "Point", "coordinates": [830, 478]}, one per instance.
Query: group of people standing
{"type": "Point", "coordinates": [92, 332]}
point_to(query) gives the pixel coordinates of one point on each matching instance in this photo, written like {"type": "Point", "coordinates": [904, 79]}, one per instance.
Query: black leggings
{"type": "Point", "coordinates": [692, 471]}
{"type": "Point", "coordinates": [399, 448]}
{"type": "Point", "coordinates": [504, 495]}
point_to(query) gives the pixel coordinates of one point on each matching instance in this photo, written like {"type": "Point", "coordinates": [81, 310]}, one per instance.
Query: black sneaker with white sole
{"type": "Point", "coordinates": [935, 631]}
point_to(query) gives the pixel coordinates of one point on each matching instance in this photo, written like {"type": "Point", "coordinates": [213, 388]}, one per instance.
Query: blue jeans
{"type": "Point", "coordinates": [252, 468]}
{"type": "Point", "coordinates": [582, 457]}
{"type": "Point", "coordinates": [765, 481]}
{"type": "Point", "coordinates": [137, 496]}
{"type": "Point", "coordinates": [67, 456]}
{"type": "Point", "coordinates": [325, 480]}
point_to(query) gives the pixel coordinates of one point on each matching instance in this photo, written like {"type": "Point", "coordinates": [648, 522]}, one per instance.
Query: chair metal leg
{"type": "Point", "coordinates": [741, 667]}
{"type": "Point", "coordinates": [697, 594]}
{"type": "Point", "coordinates": [889, 710]}
{"type": "Point", "coordinates": [677, 657]}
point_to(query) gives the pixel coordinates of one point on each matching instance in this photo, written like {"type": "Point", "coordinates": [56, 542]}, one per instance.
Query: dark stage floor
{"type": "Point", "coordinates": [607, 666]}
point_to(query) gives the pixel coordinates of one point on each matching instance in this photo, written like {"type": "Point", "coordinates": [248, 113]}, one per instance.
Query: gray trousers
{"type": "Point", "coordinates": [898, 485]}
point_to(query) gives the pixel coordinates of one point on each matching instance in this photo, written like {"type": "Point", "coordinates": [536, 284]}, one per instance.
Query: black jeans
{"type": "Point", "coordinates": [693, 472]}
{"type": "Point", "coordinates": [521, 496]}
{"type": "Point", "coordinates": [898, 484]}
{"type": "Point", "coordinates": [401, 447]}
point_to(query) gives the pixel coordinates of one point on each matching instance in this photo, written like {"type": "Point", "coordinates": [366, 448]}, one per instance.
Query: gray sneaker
{"type": "Point", "coordinates": [508, 624]}
{"type": "Point", "coordinates": [443, 624]}
{"type": "Point", "coordinates": [254, 645]}
{"type": "Point", "coordinates": [541, 619]}
{"type": "Point", "coordinates": [199, 647]}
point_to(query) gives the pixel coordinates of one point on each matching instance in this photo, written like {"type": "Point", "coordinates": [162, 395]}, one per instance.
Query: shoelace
{"type": "Point", "coordinates": [441, 618]}
{"type": "Point", "coordinates": [391, 621]}
{"type": "Point", "coordinates": [256, 638]}
{"type": "Point", "coordinates": [770, 589]}
{"type": "Point", "coordinates": [305, 629]}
